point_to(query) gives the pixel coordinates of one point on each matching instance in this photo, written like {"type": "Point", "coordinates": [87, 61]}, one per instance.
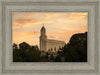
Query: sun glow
{"type": "Point", "coordinates": [59, 26]}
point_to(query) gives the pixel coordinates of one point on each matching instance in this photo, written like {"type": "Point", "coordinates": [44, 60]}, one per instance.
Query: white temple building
{"type": "Point", "coordinates": [49, 44]}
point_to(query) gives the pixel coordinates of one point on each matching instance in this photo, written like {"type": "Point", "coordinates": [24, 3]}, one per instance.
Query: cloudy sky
{"type": "Point", "coordinates": [59, 26]}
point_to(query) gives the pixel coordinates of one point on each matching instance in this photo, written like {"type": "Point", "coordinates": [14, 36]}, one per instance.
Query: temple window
{"type": "Point", "coordinates": [48, 49]}
{"type": "Point", "coordinates": [59, 48]}
{"type": "Point", "coordinates": [51, 49]}
{"type": "Point", "coordinates": [55, 48]}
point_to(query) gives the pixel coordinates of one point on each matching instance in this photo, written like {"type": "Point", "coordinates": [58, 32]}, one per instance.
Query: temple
{"type": "Point", "coordinates": [49, 44]}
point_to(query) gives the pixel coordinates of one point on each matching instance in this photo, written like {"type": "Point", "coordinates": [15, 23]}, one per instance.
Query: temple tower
{"type": "Point", "coordinates": [43, 39]}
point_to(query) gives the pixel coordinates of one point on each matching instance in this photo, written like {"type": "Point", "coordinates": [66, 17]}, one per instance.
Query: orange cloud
{"type": "Point", "coordinates": [28, 15]}
{"type": "Point", "coordinates": [38, 33]}
{"type": "Point", "coordinates": [24, 21]}
{"type": "Point", "coordinates": [77, 16]}
{"type": "Point", "coordinates": [15, 27]}
{"type": "Point", "coordinates": [61, 26]}
{"type": "Point", "coordinates": [49, 15]}
{"type": "Point", "coordinates": [25, 15]}
{"type": "Point", "coordinates": [32, 33]}
{"type": "Point", "coordinates": [56, 34]}
{"type": "Point", "coordinates": [28, 22]}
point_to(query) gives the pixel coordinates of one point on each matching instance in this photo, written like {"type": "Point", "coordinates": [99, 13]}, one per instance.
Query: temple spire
{"type": "Point", "coordinates": [43, 24]}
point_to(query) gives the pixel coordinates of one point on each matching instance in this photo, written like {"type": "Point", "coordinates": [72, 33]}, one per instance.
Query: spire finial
{"type": "Point", "coordinates": [43, 28]}
{"type": "Point", "coordinates": [43, 24]}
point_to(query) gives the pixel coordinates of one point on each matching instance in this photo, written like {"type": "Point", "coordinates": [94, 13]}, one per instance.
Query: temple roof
{"type": "Point", "coordinates": [57, 41]}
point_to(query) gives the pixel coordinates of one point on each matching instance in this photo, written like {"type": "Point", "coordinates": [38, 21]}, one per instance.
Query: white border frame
{"type": "Point", "coordinates": [45, 67]}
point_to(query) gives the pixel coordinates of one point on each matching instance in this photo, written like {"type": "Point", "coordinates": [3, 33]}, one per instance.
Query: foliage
{"type": "Point", "coordinates": [51, 57]}
{"type": "Point", "coordinates": [57, 59]}
{"type": "Point", "coordinates": [26, 53]}
{"type": "Point", "coordinates": [46, 56]}
{"type": "Point", "coordinates": [74, 51]}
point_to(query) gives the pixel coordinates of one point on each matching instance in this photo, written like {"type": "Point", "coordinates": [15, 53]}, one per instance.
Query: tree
{"type": "Point", "coordinates": [46, 56]}
{"type": "Point", "coordinates": [76, 49]}
{"type": "Point", "coordinates": [32, 55]}
{"type": "Point", "coordinates": [17, 54]}
{"type": "Point", "coordinates": [24, 45]}
{"type": "Point", "coordinates": [51, 57]}
{"type": "Point", "coordinates": [57, 59]}
{"type": "Point", "coordinates": [26, 53]}
{"type": "Point", "coordinates": [15, 46]}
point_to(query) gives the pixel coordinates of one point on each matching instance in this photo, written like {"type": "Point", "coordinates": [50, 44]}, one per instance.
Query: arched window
{"type": "Point", "coordinates": [48, 49]}
{"type": "Point", "coordinates": [59, 48]}
{"type": "Point", "coordinates": [51, 49]}
{"type": "Point", "coordinates": [55, 49]}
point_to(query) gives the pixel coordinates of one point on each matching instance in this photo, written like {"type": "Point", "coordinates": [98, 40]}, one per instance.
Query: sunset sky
{"type": "Point", "coordinates": [59, 26]}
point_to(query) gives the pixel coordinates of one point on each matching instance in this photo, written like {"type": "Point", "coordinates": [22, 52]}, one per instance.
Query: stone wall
{"type": "Point", "coordinates": [54, 45]}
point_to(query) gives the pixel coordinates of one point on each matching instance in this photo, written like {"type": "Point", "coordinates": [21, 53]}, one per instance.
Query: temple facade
{"type": "Point", "coordinates": [49, 44]}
